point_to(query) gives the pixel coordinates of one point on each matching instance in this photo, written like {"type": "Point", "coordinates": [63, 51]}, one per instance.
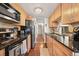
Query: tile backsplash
{"type": "Point", "coordinates": [6, 25]}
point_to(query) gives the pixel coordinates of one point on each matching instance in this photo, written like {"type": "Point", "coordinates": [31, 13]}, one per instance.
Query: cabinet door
{"type": "Point", "coordinates": [70, 13]}
{"type": "Point", "coordinates": [75, 13]}
{"type": "Point", "coordinates": [29, 42]}
{"type": "Point", "coordinates": [66, 12]}
{"type": "Point", "coordinates": [50, 23]}
{"type": "Point", "coordinates": [24, 47]}
{"type": "Point", "coordinates": [55, 15]}
{"type": "Point", "coordinates": [57, 12]}
{"type": "Point", "coordinates": [2, 52]}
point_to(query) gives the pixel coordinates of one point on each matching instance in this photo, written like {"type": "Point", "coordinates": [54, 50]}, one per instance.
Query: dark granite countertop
{"type": "Point", "coordinates": [12, 41]}
{"type": "Point", "coordinates": [64, 34]}
{"type": "Point", "coordinates": [58, 41]}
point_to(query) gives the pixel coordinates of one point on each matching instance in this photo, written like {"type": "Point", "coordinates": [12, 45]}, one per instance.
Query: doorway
{"type": "Point", "coordinates": [40, 29]}
{"type": "Point", "coordinates": [40, 33]}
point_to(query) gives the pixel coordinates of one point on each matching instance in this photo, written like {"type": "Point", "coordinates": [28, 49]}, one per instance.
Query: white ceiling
{"type": "Point", "coordinates": [47, 8]}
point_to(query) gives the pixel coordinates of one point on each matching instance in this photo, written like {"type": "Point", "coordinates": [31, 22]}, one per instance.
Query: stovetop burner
{"type": "Point", "coordinates": [5, 40]}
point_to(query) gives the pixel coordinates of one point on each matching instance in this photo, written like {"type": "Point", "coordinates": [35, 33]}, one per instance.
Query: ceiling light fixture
{"type": "Point", "coordinates": [38, 10]}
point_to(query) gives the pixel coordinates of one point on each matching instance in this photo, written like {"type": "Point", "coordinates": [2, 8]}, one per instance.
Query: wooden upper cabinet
{"type": "Point", "coordinates": [55, 15]}
{"type": "Point", "coordinates": [75, 13]}
{"type": "Point", "coordinates": [70, 13]}
{"type": "Point", "coordinates": [66, 12]}
{"type": "Point", "coordinates": [53, 24]}
{"type": "Point", "coordinates": [29, 18]}
{"type": "Point", "coordinates": [50, 23]}
{"type": "Point", "coordinates": [22, 11]}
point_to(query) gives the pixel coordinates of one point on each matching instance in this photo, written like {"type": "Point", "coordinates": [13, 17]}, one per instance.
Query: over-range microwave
{"type": "Point", "coordinates": [65, 28]}
{"type": "Point", "coordinates": [8, 12]}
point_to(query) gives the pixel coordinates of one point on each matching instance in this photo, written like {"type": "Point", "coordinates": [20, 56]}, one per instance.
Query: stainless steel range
{"type": "Point", "coordinates": [14, 50]}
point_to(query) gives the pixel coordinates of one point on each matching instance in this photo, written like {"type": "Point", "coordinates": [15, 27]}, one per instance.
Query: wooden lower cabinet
{"type": "Point", "coordinates": [28, 43]}
{"type": "Point", "coordinates": [26, 46]}
{"type": "Point", "coordinates": [2, 52]}
{"type": "Point", "coordinates": [57, 49]}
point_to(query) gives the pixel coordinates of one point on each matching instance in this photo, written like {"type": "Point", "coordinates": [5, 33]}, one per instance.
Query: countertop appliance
{"type": "Point", "coordinates": [23, 33]}
{"type": "Point", "coordinates": [4, 37]}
